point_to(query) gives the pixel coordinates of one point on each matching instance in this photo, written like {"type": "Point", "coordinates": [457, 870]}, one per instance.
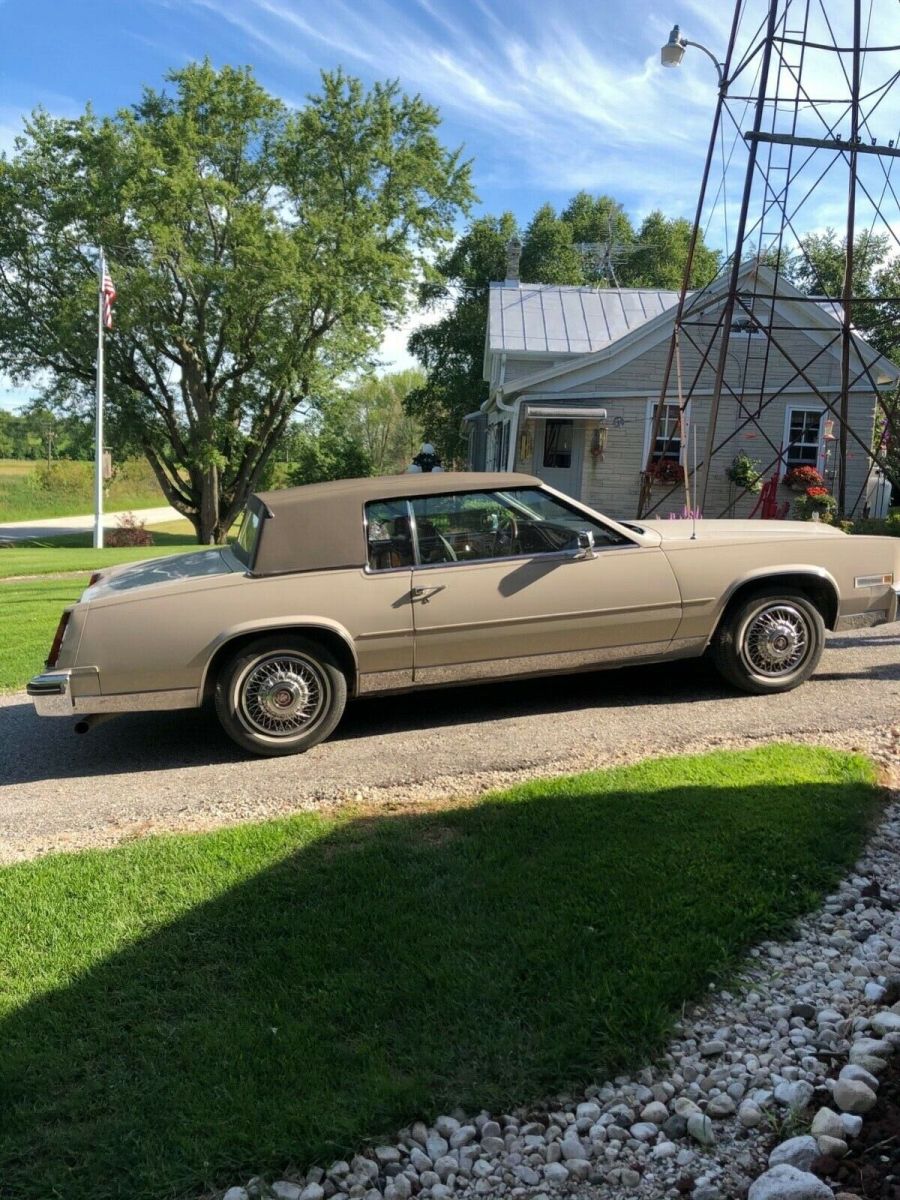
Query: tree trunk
{"type": "Point", "coordinates": [209, 530]}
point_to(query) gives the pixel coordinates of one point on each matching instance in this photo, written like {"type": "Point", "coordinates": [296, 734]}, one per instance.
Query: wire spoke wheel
{"type": "Point", "coordinates": [769, 642]}
{"type": "Point", "coordinates": [776, 641]}
{"type": "Point", "coordinates": [282, 695]}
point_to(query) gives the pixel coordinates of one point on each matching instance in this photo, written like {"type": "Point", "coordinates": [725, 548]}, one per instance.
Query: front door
{"type": "Point", "coordinates": [559, 447]}
{"type": "Point", "coordinates": [497, 589]}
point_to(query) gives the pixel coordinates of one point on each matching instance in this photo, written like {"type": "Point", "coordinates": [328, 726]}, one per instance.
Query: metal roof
{"type": "Point", "coordinates": [550, 319]}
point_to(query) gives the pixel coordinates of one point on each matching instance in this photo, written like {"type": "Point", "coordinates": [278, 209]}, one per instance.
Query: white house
{"type": "Point", "coordinates": [575, 374]}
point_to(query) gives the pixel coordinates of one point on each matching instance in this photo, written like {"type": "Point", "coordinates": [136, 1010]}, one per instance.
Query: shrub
{"type": "Point", "coordinates": [816, 501]}
{"type": "Point", "coordinates": [130, 532]}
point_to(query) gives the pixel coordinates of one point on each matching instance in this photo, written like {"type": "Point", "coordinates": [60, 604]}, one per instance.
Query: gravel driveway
{"type": "Point", "coordinates": [140, 773]}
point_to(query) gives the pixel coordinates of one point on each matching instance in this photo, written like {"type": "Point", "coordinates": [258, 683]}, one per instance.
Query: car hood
{"type": "Point", "coordinates": [738, 531]}
{"type": "Point", "coordinates": [171, 569]}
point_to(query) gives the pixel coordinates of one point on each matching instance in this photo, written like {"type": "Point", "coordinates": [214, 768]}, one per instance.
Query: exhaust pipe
{"type": "Point", "coordinates": [86, 724]}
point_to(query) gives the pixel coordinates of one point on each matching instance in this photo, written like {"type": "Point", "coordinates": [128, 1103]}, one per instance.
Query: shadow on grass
{"type": "Point", "coordinates": [238, 1002]}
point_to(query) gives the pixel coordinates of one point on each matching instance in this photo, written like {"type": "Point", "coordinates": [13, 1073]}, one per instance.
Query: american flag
{"type": "Point", "coordinates": [108, 292]}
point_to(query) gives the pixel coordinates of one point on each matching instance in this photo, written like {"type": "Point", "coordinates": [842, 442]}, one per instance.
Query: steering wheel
{"type": "Point", "coordinates": [507, 532]}
{"type": "Point", "coordinates": [448, 549]}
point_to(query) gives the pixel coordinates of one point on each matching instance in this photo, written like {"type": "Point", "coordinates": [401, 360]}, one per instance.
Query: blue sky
{"type": "Point", "coordinates": [546, 96]}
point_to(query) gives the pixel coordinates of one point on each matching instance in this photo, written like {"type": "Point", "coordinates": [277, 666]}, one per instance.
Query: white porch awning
{"type": "Point", "coordinates": [565, 412]}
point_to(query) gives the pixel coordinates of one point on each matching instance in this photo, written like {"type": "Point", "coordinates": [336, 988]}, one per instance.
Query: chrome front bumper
{"type": "Point", "coordinates": [53, 696]}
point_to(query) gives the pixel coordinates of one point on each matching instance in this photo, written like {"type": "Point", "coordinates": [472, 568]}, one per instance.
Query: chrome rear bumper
{"type": "Point", "coordinates": [52, 696]}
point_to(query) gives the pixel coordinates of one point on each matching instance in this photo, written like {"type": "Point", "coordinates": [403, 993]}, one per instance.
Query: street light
{"type": "Point", "coordinates": [673, 52]}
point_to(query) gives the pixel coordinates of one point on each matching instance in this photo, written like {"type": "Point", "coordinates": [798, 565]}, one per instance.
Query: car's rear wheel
{"type": "Point", "coordinates": [280, 695]}
{"type": "Point", "coordinates": [771, 641]}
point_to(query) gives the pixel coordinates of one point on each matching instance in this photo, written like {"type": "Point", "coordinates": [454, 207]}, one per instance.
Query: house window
{"type": "Point", "coordinates": [803, 438]}
{"type": "Point", "coordinates": [668, 438]}
{"type": "Point", "coordinates": [558, 438]}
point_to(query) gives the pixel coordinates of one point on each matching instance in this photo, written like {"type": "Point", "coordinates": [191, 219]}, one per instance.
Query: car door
{"type": "Point", "coordinates": [499, 588]}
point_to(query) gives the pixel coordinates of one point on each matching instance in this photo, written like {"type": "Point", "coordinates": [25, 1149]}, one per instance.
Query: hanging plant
{"type": "Point", "coordinates": [743, 473]}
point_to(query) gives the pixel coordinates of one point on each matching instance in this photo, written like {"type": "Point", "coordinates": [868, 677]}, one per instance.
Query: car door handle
{"type": "Point", "coordinates": [425, 593]}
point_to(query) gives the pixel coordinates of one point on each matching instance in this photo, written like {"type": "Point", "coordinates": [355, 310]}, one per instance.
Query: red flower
{"type": "Point", "coordinates": [807, 475]}
{"type": "Point", "coordinates": [815, 492]}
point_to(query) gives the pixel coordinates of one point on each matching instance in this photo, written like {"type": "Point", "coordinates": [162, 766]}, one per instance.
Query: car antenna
{"type": "Point", "coordinates": [694, 497]}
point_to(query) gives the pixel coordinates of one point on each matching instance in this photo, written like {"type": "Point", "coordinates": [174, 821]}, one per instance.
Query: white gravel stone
{"type": "Point", "coordinates": [644, 1131]}
{"type": "Point", "coordinates": [721, 1106]}
{"type": "Point", "coordinates": [446, 1126]}
{"type": "Point", "coordinates": [435, 1146]}
{"type": "Point", "coordinates": [795, 1096]}
{"type": "Point", "coordinates": [655, 1112]}
{"type": "Point", "coordinates": [836, 1147]}
{"type": "Point", "coordinates": [236, 1193]}
{"type": "Point", "coordinates": [860, 1074]}
{"type": "Point", "coordinates": [588, 1111]}
{"type": "Point", "coordinates": [700, 1128]}
{"type": "Point", "coordinates": [827, 1123]}
{"type": "Point", "coordinates": [556, 1173]}
{"type": "Point", "coordinates": [886, 1022]}
{"type": "Point", "coordinates": [852, 1124]}
{"type": "Point", "coordinates": [445, 1166]}
{"type": "Point", "coordinates": [463, 1136]}
{"type": "Point", "coordinates": [750, 1114]}
{"type": "Point", "coordinates": [800, 1152]}
{"type": "Point", "coordinates": [787, 1183]}
{"type": "Point", "coordinates": [852, 1096]}
{"type": "Point", "coordinates": [283, 1189]}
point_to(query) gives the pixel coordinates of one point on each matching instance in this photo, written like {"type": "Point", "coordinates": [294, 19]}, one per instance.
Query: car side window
{"type": "Point", "coordinates": [467, 526]}
{"type": "Point", "coordinates": [472, 526]}
{"type": "Point", "coordinates": [388, 535]}
{"type": "Point", "coordinates": [558, 520]}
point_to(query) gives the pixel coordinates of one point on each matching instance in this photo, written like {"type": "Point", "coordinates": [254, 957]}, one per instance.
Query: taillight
{"type": "Point", "coordinates": [58, 639]}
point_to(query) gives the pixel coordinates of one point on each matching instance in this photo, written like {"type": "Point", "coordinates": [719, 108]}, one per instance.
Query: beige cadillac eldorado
{"type": "Point", "coordinates": [337, 590]}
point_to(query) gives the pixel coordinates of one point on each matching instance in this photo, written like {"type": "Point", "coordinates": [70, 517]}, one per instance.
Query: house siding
{"type": "Point", "coordinates": [612, 483]}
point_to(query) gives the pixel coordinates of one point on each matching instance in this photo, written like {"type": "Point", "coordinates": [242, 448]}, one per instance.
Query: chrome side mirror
{"type": "Point", "coordinates": [585, 544]}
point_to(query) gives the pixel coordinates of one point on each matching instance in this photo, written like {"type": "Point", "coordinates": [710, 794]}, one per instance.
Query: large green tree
{"type": "Point", "coordinates": [452, 348]}
{"type": "Point", "coordinates": [818, 268]}
{"type": "Point", "coordinates": [258, 253]}
{"type": "Point", "coordinates": [591, 242]}
{"type": "Point", "coordinates": [391, 435]}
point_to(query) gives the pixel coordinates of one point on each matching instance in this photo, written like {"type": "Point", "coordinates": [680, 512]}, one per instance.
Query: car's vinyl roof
{"type": "Point", "coordinates": [320, 525]}
{"type": "Point", "coordinates": [383, 487]}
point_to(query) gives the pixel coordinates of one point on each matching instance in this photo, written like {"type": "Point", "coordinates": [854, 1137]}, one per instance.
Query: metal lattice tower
{"type": "Point", "coordinates": [806, 131]}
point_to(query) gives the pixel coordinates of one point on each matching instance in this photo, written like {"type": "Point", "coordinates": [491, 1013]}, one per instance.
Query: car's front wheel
{"type": "Point", "coordinates": [770, 642]}
{"type": "Point", "coordinates": [280, 695]}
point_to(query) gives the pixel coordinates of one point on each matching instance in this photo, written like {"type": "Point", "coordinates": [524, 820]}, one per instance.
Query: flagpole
{"type": "Point", "coordinates": [98, 432]}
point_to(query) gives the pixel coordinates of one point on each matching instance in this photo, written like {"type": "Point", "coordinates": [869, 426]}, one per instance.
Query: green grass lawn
{"type": "Point", "coordinates": [75, 552]}
{"type": "Point", "coordinates": [182, 1012]}
{"type": "Point", "coordinates": [29, 614]}
{"type": "Point", "coordinates": [30, 608]}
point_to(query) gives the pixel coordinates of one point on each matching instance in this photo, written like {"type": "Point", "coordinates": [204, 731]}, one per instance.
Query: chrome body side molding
{"type": "Point", "coordinates": [499, 669]}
